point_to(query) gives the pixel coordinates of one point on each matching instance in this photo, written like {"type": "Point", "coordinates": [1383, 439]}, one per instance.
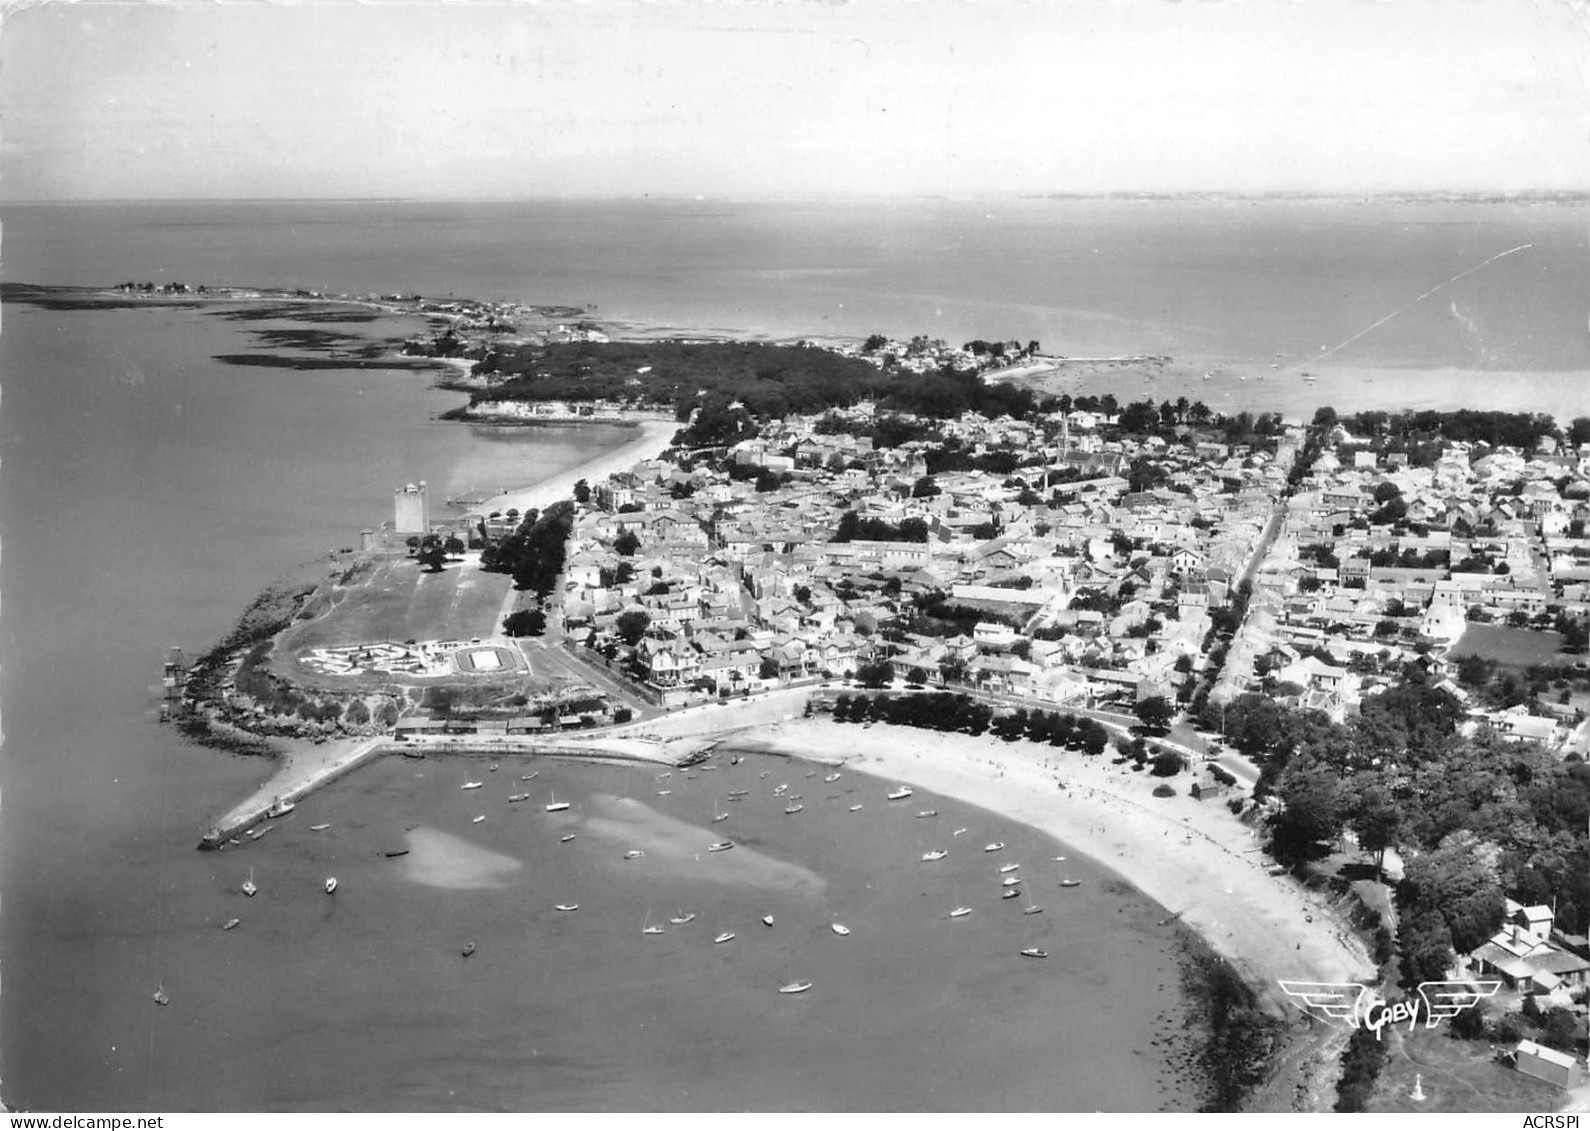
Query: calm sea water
{"type": "Point", "coordinates": [147, 492]}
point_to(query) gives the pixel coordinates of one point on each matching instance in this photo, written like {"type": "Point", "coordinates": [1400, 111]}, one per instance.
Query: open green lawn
{"type": "Point", "coordinates": [1513, 647]}
{"type": "Point", "coordinates": [398, 600]}
{"type": "Point", "coordinates": [1456, 1076]}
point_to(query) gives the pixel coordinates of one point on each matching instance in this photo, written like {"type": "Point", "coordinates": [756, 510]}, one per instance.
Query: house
{"type": "Point", "coordinates": [1549, 1065]}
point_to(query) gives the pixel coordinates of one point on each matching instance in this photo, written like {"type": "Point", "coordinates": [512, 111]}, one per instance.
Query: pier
{"type": "Point", "coordinates": [305, 770]}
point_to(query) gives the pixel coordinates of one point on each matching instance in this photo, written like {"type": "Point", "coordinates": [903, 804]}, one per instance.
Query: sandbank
{"type": "Point", "coordinates": [653, 439]}
{"type": "Point", "coordinates": [1194, 858]}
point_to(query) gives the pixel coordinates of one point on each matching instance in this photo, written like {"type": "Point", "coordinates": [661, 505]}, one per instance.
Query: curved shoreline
{"type": "Point", "coordinates": [1193, 858]}
{"type": "Point", "coordinates": [654, 439]}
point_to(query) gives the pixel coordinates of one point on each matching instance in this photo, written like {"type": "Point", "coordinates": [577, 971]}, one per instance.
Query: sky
{"type": "Point", "coordinates": [777, 98]}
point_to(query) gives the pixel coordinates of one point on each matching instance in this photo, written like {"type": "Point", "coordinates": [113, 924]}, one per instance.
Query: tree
{"type": "Point", "coordinates": [916, 676]}
{"type": "Point", "coordinates": [525, 622]}
{"type": "Point", "coordinates": [626, 543]}
{"type": "Point", "coordinates": [769, 668]}
{"type": "Point", "coordinates": [875, 675]}
{"type": "Point", "coordinates": [632, 625]}
{"type": "Point", "coordinates": [1310, 819]}
{"type": "Point", "coordinates": [582, 492]}
{"type": "Point", "coordinates": [432, 555]}
{"type": "Point", "coordinates": [453, 545]}
{"type": "Point", "coordinates": [1155, 713]}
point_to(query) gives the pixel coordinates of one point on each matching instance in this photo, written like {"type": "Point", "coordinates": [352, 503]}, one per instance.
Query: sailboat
{"type": "Point", "coordinates": [556, 806]}
{"type": "Point", "coordinates": [795, 987]}
{"type": "Point", "coordinates": [651, 928]}
{"type": "Point", "coordinates": [470, 785]}
{"type": "Point", "coordinates": [1031, 909]}
{"type": "Point", "coordinates": [248, 884]}
{"type": "Point", "coordinates": [160, 995]}
{"type": "Point", "coordinates": [717, 816]}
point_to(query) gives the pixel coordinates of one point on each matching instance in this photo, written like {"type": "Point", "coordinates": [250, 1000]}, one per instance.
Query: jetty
{"type": "Point", "coordinates": [304, 770]}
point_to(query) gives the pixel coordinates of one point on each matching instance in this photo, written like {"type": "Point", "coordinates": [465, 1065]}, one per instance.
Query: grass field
{"type": "Point", "coordinates": [397, 600]}
{"type": "Point", "coordinates": [1512, 647]}
{"type": "Point", "coordinates": [1456, 1076]}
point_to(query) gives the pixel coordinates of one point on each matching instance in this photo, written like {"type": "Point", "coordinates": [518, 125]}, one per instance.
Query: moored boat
{"type": "Point", "coordinates": [767, 920]}
{"type": "Point", "coordinates": [478, 819]}
{"type": "Point", "coordinates": [230, 923]}
{"type": "Point", "coordinates": [248, 884]}
{"type": "Point", "coordinates": [960, 912]}
{"type": "Point", "coordinates": [331, 884]}
{"type": "Point", "coordinates": [855, 808]}
{"type": "Point", "coordinates": [469, 948]}
{"type": "Point", "coordinates": [556, 806]}
{"type": "Point", "coordinates": [1009, 893]}
{"type": "Point", "coordinates": [832, 777]}
{"type": "Point", "coordinates": [565, 907]}
{"type": "Point", "coordinates": [565, 838]}
{"type": "Point", "coordinates": [1008, 867]}
{"type": "Point", "coordinates": [280, 808]}
{"type": "Point", "coordinates": [160, 996]}
{"type": "Point", "coordinates": [936, 854]}
{"type": "Point", "coordinates": [470, 785]}
{"type": "Point", "coordinates": [1034, 952]}
{"type": "Point", "coordinates": [679, 920]}
{"type": "Point", "coordinates": [927, 813]}
{"type": "Point", "coordinates": [994, 847]}
{"type": "Point", "coordinates": [1011, 881]}
{"type": "Point", "coordinates": [840, 929]}
{"type": "Point", "coordinates": [1068, 882]}
{"type": "Point", "coordinates": [796, 808]}
{"type": "Point", "coordinates": [900, 794]}
{"type": "Point", "coordinates": [1031, 909]}
{"type": "Point", "coordinates": [634, 854]}
{"type": "Point", "coordinates": [318, 828]}
{"type": "Point", "coordinates": [795, 988]}
{"type": "Point", "coordinates": [724, 937]}
{"type": "Point", "coordinates": [721, 846]}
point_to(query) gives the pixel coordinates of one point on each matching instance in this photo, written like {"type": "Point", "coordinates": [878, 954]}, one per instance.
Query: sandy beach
{"type": "Point", "coordinates": [651, 440]}
{"type": "Point", "coordinates": [1195, 858]}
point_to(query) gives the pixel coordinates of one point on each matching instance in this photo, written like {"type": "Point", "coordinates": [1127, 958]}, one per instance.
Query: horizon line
{"type": "Point", "coordinates": [1496, 195]}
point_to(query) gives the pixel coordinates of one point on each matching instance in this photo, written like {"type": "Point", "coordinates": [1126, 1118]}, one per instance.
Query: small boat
{"type": "Point", "coordinates": [1009, 893]}
{"type": "Point", "coordinates": [960, 912]}
{"type": "Point", "coordinates": [530, 776]}
{"type": "Point", "coordinates": [780, 788]}
{"type": "Point", "coordinates": [811, 773]}
{"type": "Point", "coordinates": [795, 797]}
{"type": "Point", "coordinates": [1011, 881]}
{"type": "Point", "coordinates": [793, 808]}
{"type": "Point", "coordinates": [230, 923]}
{"type": "Point", "coordinates": [764, 773]}
{"type": "Point", "coordinates": [255, 834]}
{"type": "Point", "coordinates": [1068, 882]}
{"type": "Point", "coordinates": [1034, 952]}
{"type": "Point", "coordinates": [957, 832]}
{"type": "Point", "coordinates": [1032, 909]}
{"type": "Point", "coordinates": [721, 846]}
{"type": "Point", "coordinates": [995, 847]}
{"type": "Point", "coordinates": [717, 816]}
{"type": "Point", "coordinates": [469, 948]}
{"type": "Point", "coordinates": [664, 792]}
{"type": "Point", "coordinates": [767, 920]}
{"type": "Point", "coordinates": [927, 813]}
{"type": "Point", "coordinates": [831, 778]}
{"type": "Point", "coordinates": [248, 884]}
{"type": "Point", "coordinates": [840, 929]}
{"type": "Point", "coordinates": [936, 854]}
{"type": "Point", "coordinates": [654, 929]}
{"type": "Point", "coordinates": [634, 854]}
{"type": "Point", "coordinates": [160, 996]}
{"type": "Point", "coordinates": [566, 907]}
{"type": "Point", "coordinates": [478, 819]}
{"type": "Point", "coordinates": [281, 808]}
{"type": "Point", "coordinates": [234, 842]}
{"type": "Point", "coordinates": [492, 768]}
{"type": "Point", "coordinates": [470, 785]}
{"type": "Point", "coordinates": [855, 808]}
{"type": "Point", "coordinates": [318, 828]}
{"type": "Point", "coordinates": [391, 852]}
{"type": "Point", "coordinates": [1059, 859]}
{"type": "Point", "coordinates": [738, 792]}
{"type": "Point", "coordinates": [565, 838]}
{"type": "Point", "coordinates": [557, 806]}
{"type": "Point", "coordinates": [331, 884]}
{"type": "Point", "coordinates": [900, 794]}
{"type": "Point", "coordinates": [1008, 867]}
{"type": "Point", "coordinates": [795, 988]}
{"type": "Point", "coordinates": [513, 797]}
{"type": "Point", "coordinates": [679, 920]}
{"type": "Point", "coordinates": [725, 937]}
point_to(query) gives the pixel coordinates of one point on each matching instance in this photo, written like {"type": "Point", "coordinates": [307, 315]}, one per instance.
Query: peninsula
{"type": "Point", "coordinates": [1270, 671]}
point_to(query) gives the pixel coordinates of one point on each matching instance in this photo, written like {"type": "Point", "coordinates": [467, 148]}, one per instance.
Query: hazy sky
{"type": "Point", "coordinates": [613, 97]}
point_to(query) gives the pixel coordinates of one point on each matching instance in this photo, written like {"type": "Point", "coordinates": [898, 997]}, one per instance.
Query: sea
{"type": "Point", "coordinates": [149, 490]}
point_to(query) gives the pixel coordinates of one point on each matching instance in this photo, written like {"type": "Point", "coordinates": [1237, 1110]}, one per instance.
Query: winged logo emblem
{"type": "Point", "coordinates": [1339, 1001]}
{"type": "Point", "coordinates": [1447, 999]}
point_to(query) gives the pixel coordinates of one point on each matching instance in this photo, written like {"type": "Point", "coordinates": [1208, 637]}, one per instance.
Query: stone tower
{"type": "Point", "coordinates": [411, 511]}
